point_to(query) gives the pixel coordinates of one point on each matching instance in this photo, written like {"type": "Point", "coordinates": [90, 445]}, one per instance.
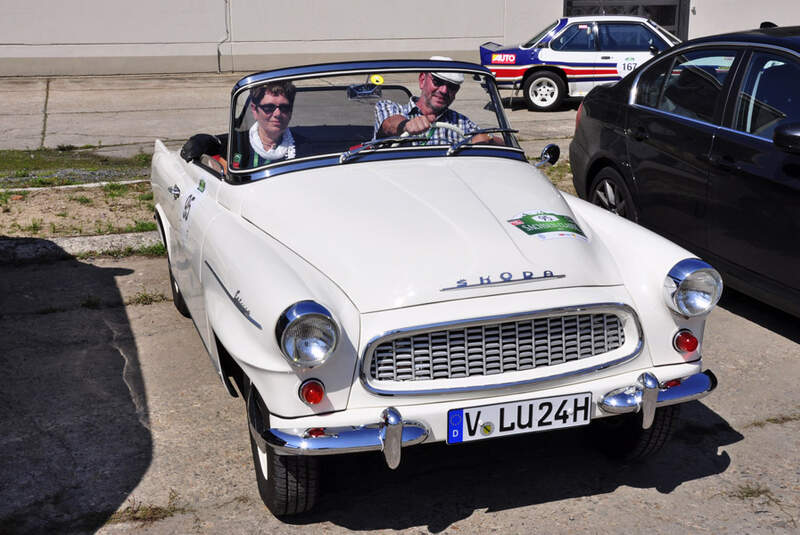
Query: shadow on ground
{"type": "Point", "coordinates": [518, 103]}
{"type": "Point", "coordinates": [74, 433]}
{"type": "Point", "coordinates": [437, 485]}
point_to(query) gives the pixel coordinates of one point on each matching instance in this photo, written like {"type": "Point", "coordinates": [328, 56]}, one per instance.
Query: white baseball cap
{"type": "Point", "coordinates": [454, 77]}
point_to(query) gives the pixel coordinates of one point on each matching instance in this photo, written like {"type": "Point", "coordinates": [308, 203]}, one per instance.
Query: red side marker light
{"type": "Point", "coordinates": [315, 432]}
{"type": "Point", "coordinates": [673, 383]}
{"type": "Point", "coordinates": [312, 392]}
{"type": "Point", "coordinates": [685, 342]}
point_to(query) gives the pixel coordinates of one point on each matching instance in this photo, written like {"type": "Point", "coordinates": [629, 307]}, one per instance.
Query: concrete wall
{"type": "Point", "coordinates": [44, 37]}
{"type": "Point", "coordinates": [707, 17]}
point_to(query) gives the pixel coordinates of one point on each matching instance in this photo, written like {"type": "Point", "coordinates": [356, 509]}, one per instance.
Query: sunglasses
{"type": "Point", "coordinates": [437, 82]}
{"type": "Point", "coordinates": [269, 109]}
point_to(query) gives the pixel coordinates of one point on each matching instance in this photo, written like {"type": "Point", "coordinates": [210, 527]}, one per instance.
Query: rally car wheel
{"type": "Point", "coordinates": [544, 90]}
{"type": "Point", "coordinates": [610, 192]}
{"type": "Point", "coordinates": [622, 437]}
{"type": "Point", "coordinates": [287, 484]}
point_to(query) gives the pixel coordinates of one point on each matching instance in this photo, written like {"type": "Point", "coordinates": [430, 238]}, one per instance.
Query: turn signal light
{"type": "Point", "coordinates": [312, 392]}
{"type": "Point", "coordinates": [686, 342]}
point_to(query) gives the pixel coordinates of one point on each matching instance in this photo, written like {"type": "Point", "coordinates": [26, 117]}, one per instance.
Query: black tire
{"type": "Point", "coordinates": [287, 484]}
{"type": "Point", "coordinates": [177, 296]}
{"type": "Point", "coordinates": [622, 437]}
{"type": "Point", "coordinates": [544, 91]}
{"type": "Point", "coordinates": [610, 192]}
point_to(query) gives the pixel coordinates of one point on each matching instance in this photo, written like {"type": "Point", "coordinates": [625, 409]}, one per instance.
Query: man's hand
{"type": "Point", "coordinates": [417, 125]}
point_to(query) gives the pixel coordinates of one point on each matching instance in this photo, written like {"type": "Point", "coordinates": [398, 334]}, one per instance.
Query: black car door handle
{"type": "Point", "coordinates": [725, 163]}
{"type": "Point", "coordinates": [638, 133]}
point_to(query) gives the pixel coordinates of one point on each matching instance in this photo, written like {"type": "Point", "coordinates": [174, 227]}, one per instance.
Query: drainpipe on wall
{"type": "Point", "coordinates": [227, 37]}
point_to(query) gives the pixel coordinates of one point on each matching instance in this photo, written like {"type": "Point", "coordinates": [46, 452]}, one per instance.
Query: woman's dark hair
{"type": "Point", "coordinates": [285, 88]}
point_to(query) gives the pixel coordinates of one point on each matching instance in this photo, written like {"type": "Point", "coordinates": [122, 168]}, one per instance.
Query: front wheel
{"type": "Point", "coordinates": [610, 192]}
{"type": "Point", "coordinates": [544, 91]}
{"type": "Point", "coordinates": [287, 484]}
{"type": "Point", "coordinates": [622, 437]}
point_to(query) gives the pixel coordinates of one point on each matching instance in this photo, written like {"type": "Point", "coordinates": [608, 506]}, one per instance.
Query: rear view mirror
{"type": "Point", "coordinates": [549, 155]}
{"type": "Point", "coordinates": [787, 137]}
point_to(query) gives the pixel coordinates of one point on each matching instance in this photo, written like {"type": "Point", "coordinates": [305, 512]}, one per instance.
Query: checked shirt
{"type": "Point", "coordinates": [440, 136]}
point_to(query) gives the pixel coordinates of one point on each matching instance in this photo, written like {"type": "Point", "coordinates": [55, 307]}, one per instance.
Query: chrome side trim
{"type": "Point", "coordinates": [399, 333]}
{"type": "Point", "coordinates": [235, 299]}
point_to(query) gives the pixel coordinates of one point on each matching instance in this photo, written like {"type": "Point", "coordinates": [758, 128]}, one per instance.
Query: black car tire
{"type": "Point", "coordinates": [609, 191]}
{"type": "Point", "coordinates": [544, 91]}
{"type": "Point", "coordinates": [622, 437]}
{"type": "Point", "coordinates": [177, 296]}
{"type": "Point", "coordinates": [287, 484]}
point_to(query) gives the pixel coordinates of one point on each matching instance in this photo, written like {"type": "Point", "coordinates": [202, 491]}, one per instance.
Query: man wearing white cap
{"type": "Point", "coordinates": [437, 92]}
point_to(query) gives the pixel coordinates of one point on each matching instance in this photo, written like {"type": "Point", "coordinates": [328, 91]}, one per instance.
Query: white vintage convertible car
{"type": "Point", "coordinates": [373, 293]}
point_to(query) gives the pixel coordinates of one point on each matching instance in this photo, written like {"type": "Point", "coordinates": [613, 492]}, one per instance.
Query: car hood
{"type": "Point", "coordinates": [401, 233]}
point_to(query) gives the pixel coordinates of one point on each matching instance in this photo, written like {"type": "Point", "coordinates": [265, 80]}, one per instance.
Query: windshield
{"type": "Point", "coordinates": [278, 121]}
{"type": "Point", "coordinates": [539, 35]}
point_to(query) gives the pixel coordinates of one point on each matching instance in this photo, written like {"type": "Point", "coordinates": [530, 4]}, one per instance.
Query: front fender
{"type": "Point", "coordinates": [643, 259]}
{"type": "Point", "coordinates": [249, 280]}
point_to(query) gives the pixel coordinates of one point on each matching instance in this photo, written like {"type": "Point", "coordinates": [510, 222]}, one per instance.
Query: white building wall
{"type": "Point", "coordinates": [707, 17]}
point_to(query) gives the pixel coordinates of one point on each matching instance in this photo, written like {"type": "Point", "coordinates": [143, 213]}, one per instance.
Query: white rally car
{"type": "Point", "coordinates": [573, 55]}
{"type": "Point", "coordinates": [374, 293]}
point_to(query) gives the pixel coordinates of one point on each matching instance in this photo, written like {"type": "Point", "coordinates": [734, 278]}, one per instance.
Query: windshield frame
{"type": "Point", "coordinates": [364, 68]}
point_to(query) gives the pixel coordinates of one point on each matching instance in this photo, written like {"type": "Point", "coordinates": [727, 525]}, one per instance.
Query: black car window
{"type": "Point", "coordinates": [578, 37]}
{"type": "Point", "coordinates": [622, 37]}
{"type": "Point", "coordinates": [768, 94]}
{"type": "Point", "coordinates": [688, 84]}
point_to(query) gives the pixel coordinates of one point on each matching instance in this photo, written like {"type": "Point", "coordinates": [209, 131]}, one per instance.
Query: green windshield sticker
{"type": "Point", "coordinates": [547, 225]}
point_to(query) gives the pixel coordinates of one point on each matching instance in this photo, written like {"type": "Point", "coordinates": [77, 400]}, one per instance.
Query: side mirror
{"type": "Point", "coordinates": [653, 50]}
{"type": "Point", "coordinates": [787, 137]}
{"type": "Point", "coordinates": [549, 155]}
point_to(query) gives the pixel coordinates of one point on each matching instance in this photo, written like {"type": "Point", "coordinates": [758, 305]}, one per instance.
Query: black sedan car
{"type": "Point", "coordinates": [702, 144]}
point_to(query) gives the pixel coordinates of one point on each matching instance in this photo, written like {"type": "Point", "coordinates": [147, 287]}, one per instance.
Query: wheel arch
{"type": "Point", "coordinates": [595, 167]}
{"type": "Point", "coordinates": [550, 68]}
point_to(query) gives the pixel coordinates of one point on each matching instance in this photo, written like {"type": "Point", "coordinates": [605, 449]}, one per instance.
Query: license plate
{"type": "Point", "coordinates": [489, 421]}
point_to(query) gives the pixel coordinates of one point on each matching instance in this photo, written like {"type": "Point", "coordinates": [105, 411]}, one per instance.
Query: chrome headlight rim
{"type": "Point", "coordinates": [299, 312]}
{"type": "Point", "coordinates": [685, 272]}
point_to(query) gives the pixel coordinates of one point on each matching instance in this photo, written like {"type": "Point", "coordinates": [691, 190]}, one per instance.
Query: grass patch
{"type": "Point", "coordinates": [146, 196]}
{"type": "Point", "coordinates": [47, 181]}
{"type": "Point", "coordinates": [143, 513]}
{"type": "Point", "coordinates": [34, 227]}
{"type": "Point", "coordinates": [142, 226]}
{"type": "Point", "coordinates": [147, 298]}
{"type": "Point", "coordinates": [777, 420]}
{"type": "Point", "coordinates": [81, 199]}
{"type": "Point", "coordinates": [17, 162]}
{"type": "Point", "coordinates": [91, 302]}
{"type": "Point", "coordinates": [153, 251]}
{"type": "Point", "coordinates": [6, 195]}
{"type": "Point", "coordinates": [114, 190]}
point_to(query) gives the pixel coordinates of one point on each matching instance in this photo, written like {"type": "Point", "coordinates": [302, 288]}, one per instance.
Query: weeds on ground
{"type": "Point", "coordinates": [147, 298]}
{"type": "Point", "coordinates": [152, 251]}
{"type": "Point", "coordinates": [114, 190]}
{"type": "Point", "coordinates": [143, 513]}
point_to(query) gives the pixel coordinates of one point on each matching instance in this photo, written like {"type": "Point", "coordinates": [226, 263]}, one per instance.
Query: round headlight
{"type": "Point", "coordinates": [692, 287]}
{"type": "Point", "coordinates": [307, 334]}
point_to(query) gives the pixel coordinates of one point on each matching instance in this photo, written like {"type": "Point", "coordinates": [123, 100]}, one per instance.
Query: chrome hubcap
{"type": "Point", "coordinates": [543, 92]}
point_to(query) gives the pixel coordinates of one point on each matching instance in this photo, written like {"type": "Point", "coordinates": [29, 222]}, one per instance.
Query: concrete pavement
{"type": "Point", "coordinates": [122, 115]}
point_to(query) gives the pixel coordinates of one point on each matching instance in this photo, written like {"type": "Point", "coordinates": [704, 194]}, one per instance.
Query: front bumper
{"type": "Point", "coordinates": [391, 433]}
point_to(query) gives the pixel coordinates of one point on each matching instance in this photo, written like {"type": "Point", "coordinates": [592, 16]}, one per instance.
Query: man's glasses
{"type": "Point", "coordinates": [438, 82]}
{"type": "Point", "coordinates": [269, 109]}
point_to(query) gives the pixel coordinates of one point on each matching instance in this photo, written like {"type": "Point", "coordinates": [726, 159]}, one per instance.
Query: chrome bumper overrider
{"type": "Point", "coordinates": [388, 435]}
{"type": "Point", "coordinates": [648, 394]}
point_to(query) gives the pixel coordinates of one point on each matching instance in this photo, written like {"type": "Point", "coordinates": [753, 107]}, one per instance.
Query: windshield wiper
{"type": "Point", "coordinates": [455, 147]}
{"type": "Point", "coordinates": [377, 143]}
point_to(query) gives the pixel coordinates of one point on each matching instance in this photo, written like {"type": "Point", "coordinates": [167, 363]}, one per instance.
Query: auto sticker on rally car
{"type": "Point", "coordinates": [505, 59]}
{"type": "Point", "coordinates": [547, 225]}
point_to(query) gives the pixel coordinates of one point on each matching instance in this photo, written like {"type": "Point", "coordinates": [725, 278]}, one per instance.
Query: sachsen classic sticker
{"type": "Point", "coordinates": [547, 225]}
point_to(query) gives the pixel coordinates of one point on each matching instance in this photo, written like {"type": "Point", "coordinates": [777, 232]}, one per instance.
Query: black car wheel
{"type": "Point", "coordinates": [287, 484]}
{"type": "Point", "coordinates": [622, 437]}
{"type": "Point", "coordinates": [544, 90]}
{"type": "Point", "coordinates": [177, 296]}
{"type": "Point", "coordinates": [610, 192]}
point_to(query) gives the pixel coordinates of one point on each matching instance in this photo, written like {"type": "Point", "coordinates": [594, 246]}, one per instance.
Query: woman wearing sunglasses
{"type": "Point", "coordinates": [270, 138]}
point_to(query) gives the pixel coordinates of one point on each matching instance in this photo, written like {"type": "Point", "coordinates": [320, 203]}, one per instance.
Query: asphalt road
{"type": "Point", "coordinates": [111, 412]}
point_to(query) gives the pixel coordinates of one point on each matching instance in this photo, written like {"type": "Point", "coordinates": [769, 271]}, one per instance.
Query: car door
{"type": "Point", "coordinates": [669, 133]}
{"type": "Point", "coordinates": [574, 51]}
{"type": "Point", "coordinates": [623, 47]}
{"type": "Point", "coordinates": [755, 185]}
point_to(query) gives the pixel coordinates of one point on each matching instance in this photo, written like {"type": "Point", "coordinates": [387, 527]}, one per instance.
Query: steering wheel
{"type": "Point", "coordinates": [439, 124]}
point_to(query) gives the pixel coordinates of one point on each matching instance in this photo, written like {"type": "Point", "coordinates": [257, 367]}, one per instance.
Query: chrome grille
{"type": "Point", "coordinates": [493, 348]}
